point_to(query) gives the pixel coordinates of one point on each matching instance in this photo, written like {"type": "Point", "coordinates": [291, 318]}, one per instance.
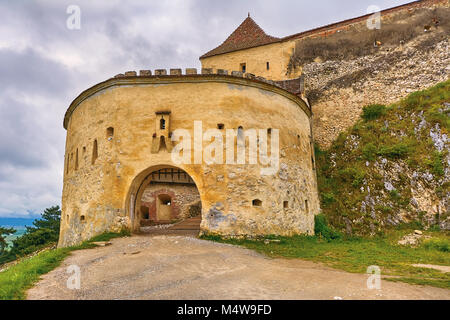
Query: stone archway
{"type": "Point", "coordinates": [163, 194]}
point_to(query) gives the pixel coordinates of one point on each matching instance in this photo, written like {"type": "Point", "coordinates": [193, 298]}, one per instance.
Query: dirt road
{"type": "Point", "coordinates": [183, 267]}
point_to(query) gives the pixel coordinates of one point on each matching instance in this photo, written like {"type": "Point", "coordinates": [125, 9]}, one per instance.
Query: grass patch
{"type": "Point", "coordinates": [353, 254]}
{"type": "Point", "coordinates": [110, 235]}
{"type": "Point", "coordinates": [373, 111]}
{"type": "Point", "coordinates": [17, 279]}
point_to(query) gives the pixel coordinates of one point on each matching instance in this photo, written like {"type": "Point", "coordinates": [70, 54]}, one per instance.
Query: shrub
{"type": "Point", "coordinates": [437, 244]}
{"type": "Point", "coordinates": [327, 198]}
{"type": "Point", "coordinates": [373, 111]}
{"type": "Point", "coordinates": [396, 151]}
{"type": "Point", "coordinates": [436, 164]}
{"type": "Point", "coordinates": [369, 151]}
{"type": "Point", "coordinates": [353, 175]}
{"type": "Point", "coordinates": [321, 228]}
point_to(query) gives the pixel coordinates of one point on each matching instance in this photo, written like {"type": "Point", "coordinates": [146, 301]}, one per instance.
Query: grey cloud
{"type": "Point", "coordinates": [31, 73]}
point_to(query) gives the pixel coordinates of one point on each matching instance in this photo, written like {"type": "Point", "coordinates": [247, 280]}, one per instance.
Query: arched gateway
{"type": "Point", "coordinates": [162, 194]}
{"type": "Point", "coordinates": [240, 148]}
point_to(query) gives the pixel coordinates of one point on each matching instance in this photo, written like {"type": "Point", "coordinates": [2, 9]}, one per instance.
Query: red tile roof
{"type": "Point", "coordinates": [247, 35]}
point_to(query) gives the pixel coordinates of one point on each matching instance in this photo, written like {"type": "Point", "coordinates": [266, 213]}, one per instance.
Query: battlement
{"type": "Point", "coordinates": [294, 86]}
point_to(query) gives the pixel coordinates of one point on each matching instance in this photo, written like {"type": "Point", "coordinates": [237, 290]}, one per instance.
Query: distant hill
{"type": "Point", "coordinates": [17, 223]}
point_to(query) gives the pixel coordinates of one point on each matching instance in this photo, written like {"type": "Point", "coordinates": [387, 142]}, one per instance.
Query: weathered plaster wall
{"type": "Point", "coordinates": [277, 54]}
{"type": "Point", "coordinates": [104, 192]}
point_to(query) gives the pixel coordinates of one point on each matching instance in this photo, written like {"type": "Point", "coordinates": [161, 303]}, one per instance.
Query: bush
{"type": "Point", "coordinates": [369, 151]}
{"type": "Point", "coordinates": [437, 244]}
{"type": "Point", "coordinates": [321, 228]}
{"type": "Point", "coordinates": [353, 175]}
{"type": "Point", "coordinates": [396, 151]}
{"type": "Point", "coordinates": [373, 111]}
{"type": "Point", "coordinates": [327, 198]}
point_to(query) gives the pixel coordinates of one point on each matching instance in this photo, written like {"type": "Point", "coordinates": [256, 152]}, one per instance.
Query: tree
{"type": "Point", "coordinates": [50, 220]}
{"type": "Point", "coordinates": [4, 232]}
{"type": "Point", "coordinates": [43, 232]}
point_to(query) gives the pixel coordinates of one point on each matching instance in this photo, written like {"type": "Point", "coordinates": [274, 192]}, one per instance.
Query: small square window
{"type": "Point", "coordinates": [220, 126]}
{"type": "Point", "coordinates": [257, 203]}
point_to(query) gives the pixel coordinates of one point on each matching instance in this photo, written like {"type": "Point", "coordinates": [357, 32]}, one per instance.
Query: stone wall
{"type": "Point", "coordinates": [183, 197]}
{"type": "Point", "coordinates": [111, 127]}
{"type": "Point", "coordinates": [338, 90]}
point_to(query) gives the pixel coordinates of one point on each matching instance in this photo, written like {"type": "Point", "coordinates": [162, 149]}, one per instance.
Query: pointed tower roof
{"type": "Point", "coordinates": [247, 35]}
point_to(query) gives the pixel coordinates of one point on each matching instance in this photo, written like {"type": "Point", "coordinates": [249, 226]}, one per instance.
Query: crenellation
{"type": "Point", "coordinates": [207, 71]}
{"type": "Point", "coordinates": [222, 72]}
{"type": "Point", "coordinates": [145, 73]}
{"type": "Point", "coordinates": [160, 72]}
{"type": "Point", "coordinates": [191, 71]}
{"type": "Point", "coordinates": [175, 72]}
{"type": "Point", "coordinates": [130, 74]}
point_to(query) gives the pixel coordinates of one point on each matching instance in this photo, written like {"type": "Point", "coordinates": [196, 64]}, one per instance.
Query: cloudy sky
{"type": "Point", "coordinates": [44, 66]}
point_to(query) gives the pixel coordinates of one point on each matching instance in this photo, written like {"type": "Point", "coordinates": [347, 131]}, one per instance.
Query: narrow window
{"type": "Point", "coordinates": [110, 132]}
{"type": "Point", "coordinates": [220, 126]}
{"type": "Point", "coordinates": [145, 213]}
{"type": "Point", "coordinates": [162, 143]}
{"type": "Point", "coordinates": [267, 65]}
{"type": "Point", "coordinates": [165, 199]}
{"type": "Point", "coordinates": [94, 152]}
{"type": "Point", "coordinates": [257, 203]}
{"type": "Point", "coordinates": [269, 131]}
{"type": "Point", "coordinates": [84, 149]}
{"type": "Point", "coordinates": [285, 204]}
{"type": "Point", "coordinates": [82, 218]}
{"type": "Point", "coordinates": [68, 163]}
{"type": "Point", "coordinates": [162, 124]}
{"type": "Point", "coordinates": [243, 68]}
{"type": "Point", "coordinates": [306, 206]}
{"type": "Point", "coordinates": [76, 160]}
{"type": "Point", "coordinates": [240, 132]}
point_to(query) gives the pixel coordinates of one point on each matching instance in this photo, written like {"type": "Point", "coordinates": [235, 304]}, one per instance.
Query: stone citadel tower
{"type": "Point", "coordinates": [120, 172]}
{"type": "Point", "coordinates": [122, 134]}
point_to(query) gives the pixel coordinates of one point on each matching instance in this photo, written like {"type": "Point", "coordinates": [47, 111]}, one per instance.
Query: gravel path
{"type": "Point", "coordinates": [183, 267]}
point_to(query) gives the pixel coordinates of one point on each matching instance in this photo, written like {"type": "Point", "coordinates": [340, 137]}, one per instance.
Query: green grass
{"type": "Point", "coordinates": [356, 254]}
{"type": "Point", "coordinates": [18, 278]}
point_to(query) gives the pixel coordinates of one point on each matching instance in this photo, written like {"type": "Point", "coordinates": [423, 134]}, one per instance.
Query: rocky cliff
{"type": "Point", "coordinates": [391, 167]}
{"type": "Point", "coordinates": [356, 66]}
